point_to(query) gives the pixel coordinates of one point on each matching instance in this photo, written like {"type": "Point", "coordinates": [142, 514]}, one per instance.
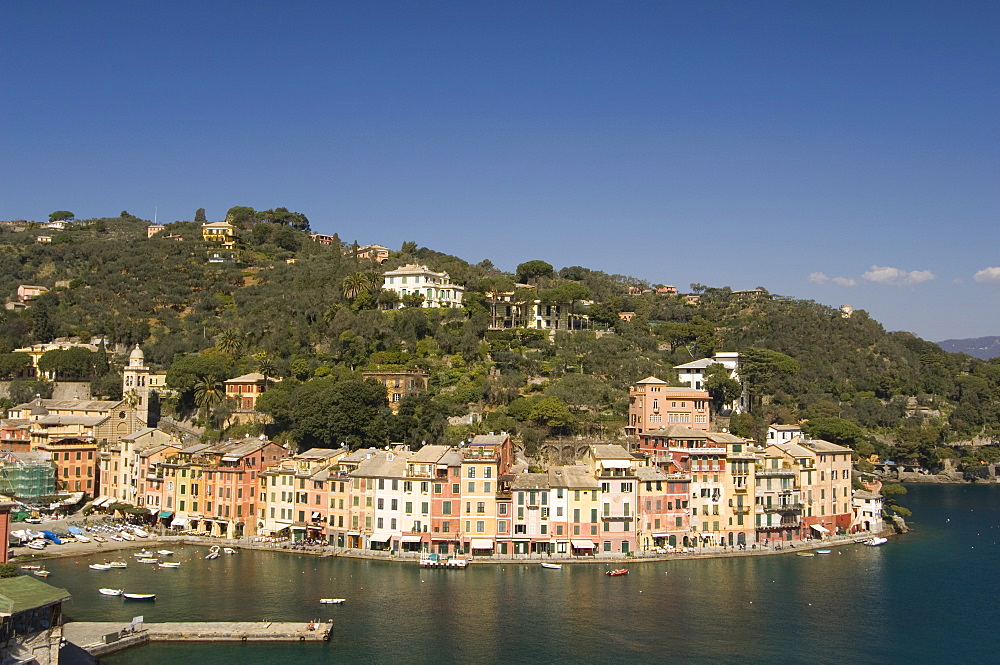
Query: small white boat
{"type": "Point", "coordinates": [169, 564]}
{"type": "Point", "coordinates": [823, 551]}
{"type": "Point", "coordinates": [110, 592]}
{"type": "Point", "coordinates": [212, 555]}
{"type": "Point", "coordinates": [148, 560]}
{"type": "Point", "coordinates": [100, 539]}
{"type": "Point", "coordinates": [100, 566]}
{"type": "Point", "coordinates": [37, 544]}
{"type": "Point", "coordinates": [552, 566]}
{"type": "Point", "coordinates": [81, 539]}
{"type": "Point", "coordinates": [164, 552]}
{"type": "Point", "coordinates": [126, 535]}
{"type": "Point", "coordinates": [42, 573]}
{"type": "Point", "coordinates": [118, 564]}
{"type": "Point", "coordinates": [142, 533]}
{"type": "Point", "coordinates": [229, 550]}
{"type": "Point", "coordinates": [806, 553]}
{"type": "Point", "coordinates": [30, 566]}
{"type": "Point", "coordinates": [142, 553]}
{"type": "Point", "coordinates": [332, 601]}
{"type": "Point", "coordinates": [876, 541]}
{"type": "Point", "coordinates": [139, 596]}
{"type": "Point", "coordinates": [117, 539]}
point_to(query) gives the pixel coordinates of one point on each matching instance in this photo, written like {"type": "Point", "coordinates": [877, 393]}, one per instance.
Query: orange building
{"type": "Point", "coordinates": [76, 463]}
{"type": "Point", "coordinates": [653, 404]}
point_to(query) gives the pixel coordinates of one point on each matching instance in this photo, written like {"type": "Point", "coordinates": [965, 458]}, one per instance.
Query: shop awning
{"type": "Point", "coordinates": [411, 539]}
{"type": "Point", "coordinates": [298, 528]}
{"type": "Point", "coordinates": [380, 537]}
{"type": "Point", "coordinates": [100, 501]}
{"type": "Point", "coordinates": [353, 533]}
{"type": "Point", "coordinates": [522, 540]}
{"type": "Point", "coordinates": [179, 521]}
{"type": "Point", "coordinates": [582, 544]}
{"type": "Point", "coordinates": [820, 528]}
{"type": "Point", "coordinates": [444, 537]}
{"type": "Point", "coordinates": [165, 515]}
{"type": "Point", "coordinates": [660, 535]}
{"type": "Point", "coordinates": [481, 544]}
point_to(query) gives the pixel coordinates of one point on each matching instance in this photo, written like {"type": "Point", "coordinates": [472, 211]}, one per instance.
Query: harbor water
{"type": "Point", "coordinates": [926, 597]}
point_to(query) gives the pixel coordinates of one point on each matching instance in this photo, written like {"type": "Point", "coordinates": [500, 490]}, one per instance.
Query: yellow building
{"type": "Point", "coordinates": [223, 233]}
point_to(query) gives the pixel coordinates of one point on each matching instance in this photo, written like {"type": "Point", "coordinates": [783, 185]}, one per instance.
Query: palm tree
{"type": "Point", "coordinates": [229, 341]}
{"type": "Point", "coordinates": [209, 392]}
{"type": "Point", "coordinates": [354, 284]}
{"type": "Point", "coordinates": [266, 367]}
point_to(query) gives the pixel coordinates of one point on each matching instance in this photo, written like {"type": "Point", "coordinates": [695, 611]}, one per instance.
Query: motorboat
{"type": "Point", "coordinates": [139, 596]}
{"type": "Point", "coordinates": [42, 572]}
{"type": "Point", "coordinates": [148, 559]}
{"type": "Point", "coordinates": [552, 566]}
{"type": "Point", "coordinates": [876, 541]}
{"type": "Point", "coordinates": [118, 564]}
{"type": "Point", "coordinates": [142, 553]}
{"type": "Point", "coordinates": [126, 535]}
{"type": "Point", "coordinates": [117, 538]}
{"type": "Point", "coordinates": [30, 566]}
{"type": "Point", "coordinates": [332, 601]}
{"type": "Point", "coordinates": [100, 566]}
{"type": "Point", "coordinates": [100, 539]}
{"type": "Point", "coordinates": [142, 533]}
{"type": "Point", "coordinates": [81, 539]}
{"type": "Point", "coordinates": [616, 573]}
{"type": "Point", "coordinates": [110, 592]}
{"type": "Point", "coordinates": [164, 552]}
{"type": "Point", "coordinates": [212, 555]}
{"type": "Point", "coordinates": [169, 564]}
{"type": "Point", "coordinates": [229, 550]}
{"type": "Point", "coordinates": [805, 553]}
{"type": "Point", "coordinates": [823, 551]}
{"type": "Point", "coordinates": [38, 544]}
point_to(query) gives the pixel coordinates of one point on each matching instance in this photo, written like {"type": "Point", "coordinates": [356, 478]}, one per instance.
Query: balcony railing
{"type": "Point", "coordinates": [784, 508]}
{"type": "Point", "coordinates": [776, 473]}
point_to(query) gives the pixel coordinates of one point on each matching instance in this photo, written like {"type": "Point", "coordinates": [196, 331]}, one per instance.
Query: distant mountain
{"type": "Point", "coordinates": [978, 347]}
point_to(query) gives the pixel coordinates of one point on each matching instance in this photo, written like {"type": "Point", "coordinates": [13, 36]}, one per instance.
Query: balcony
{"type": "Point", "coordinates": [740, 489]}
{"type": "Point", "coordinates": [776, 473]}
{"type": "Point", "coordinates": [741, 510]}
{"type": "Point", "coordinates": [784, 508]}
{"type": "Point", "coordinates": [616, 518]}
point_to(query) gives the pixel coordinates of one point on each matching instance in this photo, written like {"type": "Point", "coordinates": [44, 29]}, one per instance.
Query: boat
{"type": "Point", "coordinates": [100, 539]}
{"type": "Point", "coordinates": [552, 566]}
{"type": "Point", "coordinates": [142, 533]}
{"type": "Point", "coordinates": [82, 539]}
{"type": "Point", "coordinates": [117, 538]}
{"type": "Point", "coordinates": [37, 544]}
{"type": "Point", "coordinates": [100, 566]}
{"type": "Point", "coordinates": [148, 560]}
{"type": "Point", "coordinates": [875, 542]}
{"type": "Point", "coordinates": [110, 592]}
{"type": "Point", "coordinates": [142, 553]}
{"type": "Point", "coordinates": [332, 601]}
{"type": "Point", "coordinates": [169, 564]}
{"type": "Point", "coordinates": [805, 554]}
{"type": "Point", "coordinates": [823, 551]}
{"type": "Point", "coordinates": [616, 573]}
{"type": "Point", "coordinates": [42, 573]}
{"type": "Point", "coordinates": [126, 535]}
{"type": "Point", "coordinates": [229, 550]}
{"type": "Point", "coordinates": [30, 566]}
{"type": "Point", "coordinates": [139, 596]}
{"type": "Point", "coordinates": [212, 555]}
{"type": "Point", "coordinates": [53, 537]}
{"type": "Point", "coordinates": [164, 552]}
{"type": "Point", "coordinates": [118, 564]}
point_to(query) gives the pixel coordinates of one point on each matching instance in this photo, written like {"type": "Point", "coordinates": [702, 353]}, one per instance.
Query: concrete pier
{"type": "Point", "coordinates": [102, 638]}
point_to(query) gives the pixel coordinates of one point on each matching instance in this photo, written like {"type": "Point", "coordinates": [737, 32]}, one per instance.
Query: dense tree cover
{"type": "Point", "coordinates": [312, 316]}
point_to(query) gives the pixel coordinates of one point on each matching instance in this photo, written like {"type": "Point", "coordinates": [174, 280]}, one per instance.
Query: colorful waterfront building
{"type": "Point", "coordinates": [582, 500]}
{"type": "Point", "coordinates": [486, 463]}
{"type": "Point", "coordinates": [615, 469]}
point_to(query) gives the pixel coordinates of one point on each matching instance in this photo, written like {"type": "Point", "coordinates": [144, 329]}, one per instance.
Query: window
{"type": "Point", "coordinates": [626, 487]}
{"type": "Point", "coordinates": [480, 526]}
{"type": "Point", "coordinates": [488, 472]}
{"type": "Point", "coordinates": [472, 487]}
{"type": "Point", "coordinates": [381, 503]}
{"type": "Point", "coordinates": [409, 507]}
{"type": "Point", "coordinates": [480, 507]}
{"type": "Point", "coordinates": [472, 472]}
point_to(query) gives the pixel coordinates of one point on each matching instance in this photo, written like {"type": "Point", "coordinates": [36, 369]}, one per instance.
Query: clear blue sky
{"type": "Point", "coordinates": [842, 152]}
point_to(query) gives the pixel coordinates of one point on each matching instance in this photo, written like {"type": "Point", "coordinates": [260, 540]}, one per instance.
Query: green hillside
{"type": "Point", "coordinates": [291, 308]}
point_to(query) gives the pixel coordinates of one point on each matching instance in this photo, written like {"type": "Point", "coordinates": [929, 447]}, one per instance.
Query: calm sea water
{"type": "Point", "coordinates": [927, 597]}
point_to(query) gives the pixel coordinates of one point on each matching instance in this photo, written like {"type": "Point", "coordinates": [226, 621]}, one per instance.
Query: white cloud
{"type": "Point", "coordinates": [987, 275]}
{"type": "Point", "coordinates": [897, 277]}
{"type": "Point", "coordinates": [818, 278]}
{"type": "Point", "coordinates": [845, 281]}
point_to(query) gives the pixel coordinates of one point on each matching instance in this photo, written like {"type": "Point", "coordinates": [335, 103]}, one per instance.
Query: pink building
{"type": "Point", "coordinates": [615, 469]}
{"type": "Point", "coordinates": [653, 404]}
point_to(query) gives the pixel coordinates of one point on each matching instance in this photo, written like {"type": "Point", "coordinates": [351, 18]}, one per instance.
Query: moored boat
{"type": "Point", "coordinates": [616, 573]}
{"type": "Point", "coordinates": [876, 541]}
{"type": "Point", "coordinates": [37, 544]}
{"type": "Point", "coordinates": [142, 533]}
{"type": "Point", "coordinates": [552, 566]}
{"type": "Point", "coordinates": [110, 592]}
{"type": "Point", "coordinates": [148, 560]}
{"type": "Point", "coordinates": [118, 564]}
{"type": "Point", "coordinates": [164, 552]}
{"type": "Point", "coordinates": [30, 566]}
{"type": "Point", "coordinates": [823, 551]}
{"type": "Point", "coordinates": [169, 564]}
{"type": "Point", "coordinates": [229, 550]}
{"type": "Point", "coordinates": [139, 596]}
{"type": "Point", "coordinates": [42, 573]}
{"type": "Point", "coordinates": [332, 601]}
{"type": "Point", "coordinates": [806, 553]}
{"type": "Point", "coordinates": [100, 566]}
